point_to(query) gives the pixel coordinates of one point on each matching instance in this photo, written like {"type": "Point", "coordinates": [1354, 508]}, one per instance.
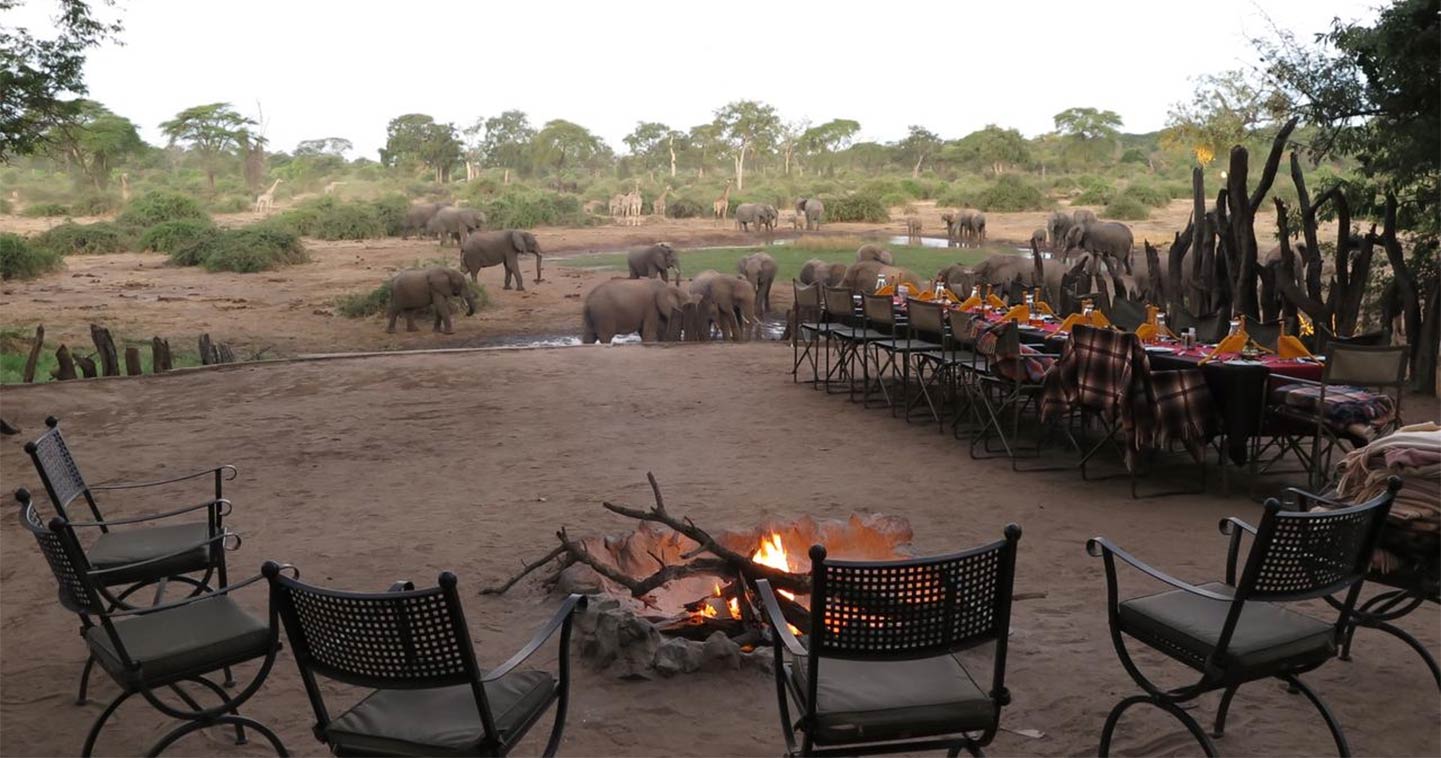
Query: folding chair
{"type": "Point", "coordinates": [926, 350]}
{"type": "Point", "coordinates": [135, 558]}
{"type": "Point", "coordinates": [849, 335]}
{"type": "Point", "coordinates": [1005, 389]}
{"type": "Point", "coordinates": [413, 648]}
{"type": "Point", "coordinates": [1241, 631]}
{"type": "Point", "coordinates": [1127, 315]}
{"type": "Point", "coordinates": [880, 320]}
{"type": "Point", "coordinates": [157, 648]}
{"type": "Point", "coordinates": [879, 671]}
{"type": "Point", "coordinates": [808, 331]}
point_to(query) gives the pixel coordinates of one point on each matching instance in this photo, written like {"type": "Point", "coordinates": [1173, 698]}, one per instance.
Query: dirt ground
{"type": "Point", "coordinates": [362, 471]}
{"type": "Point", "coordinates": [290, 311]}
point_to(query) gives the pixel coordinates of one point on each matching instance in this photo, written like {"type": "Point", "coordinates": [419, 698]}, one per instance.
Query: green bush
{"type": "Point", "coordinates": [46, 210]}
{"type": "Point", "coordinates": [685, 207]}
{"type": "Point", "coordinates": [1011, 193]}
{"type": "Point", "coordinates": [5, 205]}
{"type": "Point", "coordinates": [1133, 155]}
{"type": "Point", "coordinates": [156, 207]}
{"type": "Point", "coordinates": [365, 304]}
{"type": "Point", "coordinates": [21, 260]}
{"type": "Point", "coordinates": [330, 219]}
{"type": "Point", "coordinates": [1148, 194]}
{"type": "Point", "coordinates": [169, 236]}
{"type": "Point", "coordinates": [258, 247]}
{"type": "Point", "coordinates": [957, 197]}
{"type": "Point", "coordinates": [857, 207]}
{"type": "Point", "coordinates": [1126, 208]}
{"type": "Point", "coordinates": [895, 199]}
{"type": "Point", "coordinates": [98, 238]}
{"type": "Point", "coordinates": [1095, 195]}
{"type": "Point", "coordinates": [521, 208]}
{"type": "Point", "coordinates": [390, 211]}
{"type": "Point", "coordinates": [229, 204]}
{"type": "Point", "coordinates": [95, 203]}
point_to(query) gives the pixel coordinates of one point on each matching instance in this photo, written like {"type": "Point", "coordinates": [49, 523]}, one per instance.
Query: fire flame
{"type": "Point", "coordinates": [771, 553]}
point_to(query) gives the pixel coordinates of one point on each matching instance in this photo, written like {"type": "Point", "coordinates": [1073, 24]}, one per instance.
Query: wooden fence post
{"type": "Point", "coordinates": [105, 349]}
{"type": "Point", "coordinates": [87, 366]}
{"type": "Point", "coordinates": [207, 350]}
{"type": "Point", "coordinates": [159, 355]}
{"type": "Point", "coordinates": [223, 354]}
{"type": "Point", "coordinates": [34, 356]}
{"type": "Point", "coordinates": [64, 365]}
{"type": "Point", "coordinates": [132, 361]}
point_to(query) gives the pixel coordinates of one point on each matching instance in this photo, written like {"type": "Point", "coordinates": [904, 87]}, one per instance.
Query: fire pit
{"type": "Point", "coordinates": [670, 597]}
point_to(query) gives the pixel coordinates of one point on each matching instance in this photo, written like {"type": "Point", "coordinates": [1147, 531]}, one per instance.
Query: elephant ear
{"type": "Point", "coordinates": [517, 240]}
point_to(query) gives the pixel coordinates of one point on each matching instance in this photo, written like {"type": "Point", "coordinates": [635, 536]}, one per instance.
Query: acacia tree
{"type": "Point", "coordinates": [42, 79]}
{"type": "Point", "coordinates": [505, 141]}
{"type": "Point", "coordinates": [991, 148]}
{"type": "Point", "coordinates": [211, 132]}
{"type": "Point", "coordinates": [747, 126]}
{"type": "Point", "coordinates": [562, 144]}
{"type": "Point", "coordinates": [336, 146]}
{"type": "Point", "coordinates": [1090, 134]}
{"type": "Point", "coordinates": [919, 144]}
{"type": "Point", "coordinates": [1225, 110]}
{"type": "Point", "coordinates": [417, 138]}
{"type": "Point", "coordinates": [705, 141]}
{"type": "Point", "coordinates": [650, 143]}
{"type": "Point", "coordinates": [93, 141]}
{"type": "Point", "coordinates": [826, 140]}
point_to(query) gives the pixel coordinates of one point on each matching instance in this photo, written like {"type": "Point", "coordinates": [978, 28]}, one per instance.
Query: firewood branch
{"type": "Point", "coordinates": [500, 589]}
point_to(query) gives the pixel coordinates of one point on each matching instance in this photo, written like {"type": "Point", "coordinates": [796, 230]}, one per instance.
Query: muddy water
{"type": "Point", "coordinates": [770, 329]}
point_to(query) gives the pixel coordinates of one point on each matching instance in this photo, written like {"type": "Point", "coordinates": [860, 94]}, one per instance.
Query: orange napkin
{"type": "Point", "coordinates": [1290, 348]}
{"type": "Point", "coordinates": [995, 302]}
{"type": "Point", "coordinates": [1152, 329]}
{"type": "Point", "coordinates": [889, 289]}
{"type": "Point", "coordinates": [970, 302]}
{"type": "Point", "coordinates": [946, 295]}
{"type": "Point", "coordinates": [1042, 307]}
{"type": "Point", "coordinates": [1018, 313]}
{"type": "Point", "coordinates": [1097, 319]}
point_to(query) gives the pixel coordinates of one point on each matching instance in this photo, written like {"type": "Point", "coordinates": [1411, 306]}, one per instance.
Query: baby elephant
{"type": "Point", "coordinates": [432, 288]}
{"type": "Point", "coordinates": [1038, 239]}
{"type": "Point", "coordinates": [657, 260]}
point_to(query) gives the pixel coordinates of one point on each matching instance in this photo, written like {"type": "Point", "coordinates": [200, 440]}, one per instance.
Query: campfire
{"type": "Point", "coordinates": [671, 583]}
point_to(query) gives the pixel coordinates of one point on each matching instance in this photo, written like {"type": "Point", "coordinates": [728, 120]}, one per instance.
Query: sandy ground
{"type": "Point", "coordinates": [365, 470]}
{"type": "Point", "coordinates": [290, 311]}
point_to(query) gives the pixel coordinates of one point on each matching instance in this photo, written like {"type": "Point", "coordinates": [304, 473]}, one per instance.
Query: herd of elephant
{"type": "Point", "coordinates": [764, 216]}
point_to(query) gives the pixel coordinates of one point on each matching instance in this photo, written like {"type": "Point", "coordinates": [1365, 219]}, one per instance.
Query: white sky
{"type": "Point", "coordinates": [322, 68]}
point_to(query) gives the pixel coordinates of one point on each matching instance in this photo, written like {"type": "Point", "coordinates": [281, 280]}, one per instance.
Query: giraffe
{"type": "Point", "coordinates": [633, 204]}
{"type": "Point", "coordinates": [124, 188]}
{"type": "Point", "coordinates": [723, 203]}
{"type": "Point", "coordinates": [330, 188]}
{"type": "Point", "coordinates": [658, 205]}
{"type": "Point", "coordinates": [265, 203]}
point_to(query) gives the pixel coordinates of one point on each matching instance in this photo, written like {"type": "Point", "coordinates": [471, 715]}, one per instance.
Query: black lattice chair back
{"type": "Point", "coordinates": [900, 610]}
{"type": "Point", "coordinates": [58, 470]}
{"type": "Point", "coordinates": [1300, 556]}
{"type": "Point", "coordinates": [66, 561]}
{"type": "Point", "coordinates": [410, 639]}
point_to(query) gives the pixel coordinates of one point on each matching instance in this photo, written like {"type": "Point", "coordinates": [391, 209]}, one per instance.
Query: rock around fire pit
{"type": "Point", "coordinates": [673, 598]}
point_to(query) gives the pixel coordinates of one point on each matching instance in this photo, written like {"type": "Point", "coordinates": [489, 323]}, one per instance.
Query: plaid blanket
{"type": "Point", "coordinates": [1028, 365]}
{"type": "Point", "coordinates": [1350, 411]}
{"type": "Point", "coordinates": [1107, 372]}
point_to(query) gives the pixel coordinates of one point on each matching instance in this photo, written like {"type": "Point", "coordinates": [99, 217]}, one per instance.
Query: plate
{"type": "Point", "coordinates": [1243, 362]}
{"type": "Point", "coordinates": [1159, 349]}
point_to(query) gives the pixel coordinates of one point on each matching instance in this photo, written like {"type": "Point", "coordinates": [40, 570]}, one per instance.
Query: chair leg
{"type": "Point", "coordinates": [1220, 730]}
{"type": "Point", "coordinates": [99, 724]}
{"type": "Point", "coordinates": [1194, 728]}
{"type": "Point", "coordinates": [80, 697]}
{"type": "Point", "coordinates": [1342, 748]}
{"type": "Point", "coordinates": [194, 726]}
{"type": "Point", "coordinates": [220, 693]}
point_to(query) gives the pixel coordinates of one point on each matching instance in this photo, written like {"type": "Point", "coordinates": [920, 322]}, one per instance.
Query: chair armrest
{"type": "Point", "coordinates": [1234, 528]}
{"type": "Point", "coordinates": [222, 505]}
{"type": "Point", "coordinates": [404, 585]}
{"type": "Point", "coordinates": [1302, 495]}
{"type": "Point", "coordinates": [231, 473]}
{"type": "Point", "coordinates": [203, 543]}
{"type": "Point", "coordinates": [1230, 526]}
{"type": "Point", "coordinates": [186, 600]}
{"type": "Point", "coordinates": [778, 619]}
{"type": "Point", "coordinates": [562, 618]}
{"type": "Point", "coordinates": [1100, 546]}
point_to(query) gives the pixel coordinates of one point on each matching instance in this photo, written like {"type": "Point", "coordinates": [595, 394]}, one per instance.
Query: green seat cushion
{"type": "Point", "coordinates": [191, 639]}
{"type": "Point", "coordinates": [122, 546]}
{"type": "Point", "coordinates": [871, 701]}
{"type": "Point", "coordinates": [1266, 635]}
{"type": "Point", "coordinates": [441, 720]}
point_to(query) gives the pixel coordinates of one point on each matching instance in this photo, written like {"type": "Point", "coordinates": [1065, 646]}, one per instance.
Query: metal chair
{"type": "Point", "coordinates": [1305, 404]}
{"type": "Point", "coordinates": [925, 349]}
{"type": "Point", "coordinates": [878, 671]}
{"type": "Point", "coordinates": [1265, 333]}
{"type": "Point", "coordinates": [412, 647]}
{"type": "Point", "coordinates": [1239, 631]}
{"type": "Point", "coordinates": [849, 335]}
{"type": "Point", "coordinates": [809, 327]}
{"type": "Point", "coordinates": [1127, 315]}
{"type": "Point", "coordinates": [969, 365]}
{"type": "Point", "coordinates": [135, 558]}
{"type": "Point", "coordinates": [157, 648]}
{"type": "Point", "coordinates": [1211, 327]}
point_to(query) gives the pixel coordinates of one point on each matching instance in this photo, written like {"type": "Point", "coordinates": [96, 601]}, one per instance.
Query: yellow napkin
{"type": "Point", "coordinates": [995, 302]}
{"type": "Point", "coordinates": [1289, 347]}
{"type": "Point", "coordinates": [1152, 329]}
{"type": "Point", "coordinates": [970, 302]}
{"type": "Point", "coordinates": [1018, 313]}
{"type": "Point", "coordinates": [1099, 319]}
{"type": "Point", "coordinates": [946, 295]}
{"type": "Point", "coordinates": [886, 290]}
{"type": "Point", "coordinates": [1042, 307]}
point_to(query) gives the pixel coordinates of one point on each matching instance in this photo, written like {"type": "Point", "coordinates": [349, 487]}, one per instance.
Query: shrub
{"type": "Point", "coordinates": [524, 209]}
{"type": "Point", "coordinates": [86, 239]}
{"type": "Point", "coordinates": [390, 211]}
{"type": "Point", "coordinates": [1133, 155]}
{"type": "Point", "coordinates": [258, 247]}
{"type": "Point", "coordinates": [156, 207]}
{"type": "Point", "coordinates": [895, 199]}
{"type": "Point", "coordinates": [1095, 195]}
{"type": "Point", "coordinates": [1011, 193]}
{"type": "Point", "coordinates": [956, 197]}
{"type": "Point", "coordinates": [46, 210]}
{"type": "Point", "coordinates": [330, 219]}
{"type": "Point", "coordinates": [364, 304]}
{"type": "Point", "coordinates": [95, 203]}
{"type": "Point", "coordinates": [857, 207]}
{"type": "Point", "coordinates": [168, 236]}
{"type": "Point", "coordinates": [685, 207]}
{"type": "Point", "coordinates": [21, 260]}
{"type": "Point", "coordinates": [1148, 194]}
{"type": "Point", "coordinates": [1126, 208]}
{"type": "Point", "coordinates": [5, 205]}
{"type": "Point", "coordinates": [229, 204]}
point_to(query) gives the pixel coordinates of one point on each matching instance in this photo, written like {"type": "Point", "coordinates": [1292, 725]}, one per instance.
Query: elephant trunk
{"type": "Point", "coordinates": [537, 266]}
{"type": "Point", "coordinates": [469, 296]}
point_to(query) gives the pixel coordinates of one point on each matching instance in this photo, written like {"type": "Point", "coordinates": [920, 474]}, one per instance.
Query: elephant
{"type": "Point", "coordinates": [1038, 238]}
{"type": "Point", "coordinates": [958, 277]}
{"type": "Point", "coordinates": [958, 225]}
{"type": "Point", "coordinates": [418, 216]}
{"type": "Point", "coordinates": [484, 249]}
{"type": "Point", "coordinates": [817, 271]}
{"type": "Point", "coordinates": [813, 209]}
{"type": "Point", "coordinates": [750, 214]}
{"type": "Point", "coordinates": [769, 217]}
{"type": "Point", "coordinates": [658, 259]}
{"type": "Point", "coordinates": [976, 228]}
{"type": "Point", "coordinates": [622, 306]}
{"type": "Point", "coordinates": [1082, 216]}
{"type": "Point", "coordinates": [455, 223]}
{"type": "Point", "coordinates": [1103, 237]}
{"type": "Point", "coordinates": [1001, 271]}
{"type": "Point", "coordinates": [1057, 224]}
{"type": "Point", "coordinates": [413, 289]}
{"type": "Point", "coordinates": [760, 270]}
{"type": "Point", "coordinates": [862, 277]}
{"type": "Point", "coordinates": [734, 300]}
{"type": "Point", "coordinates": [870, 252]}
